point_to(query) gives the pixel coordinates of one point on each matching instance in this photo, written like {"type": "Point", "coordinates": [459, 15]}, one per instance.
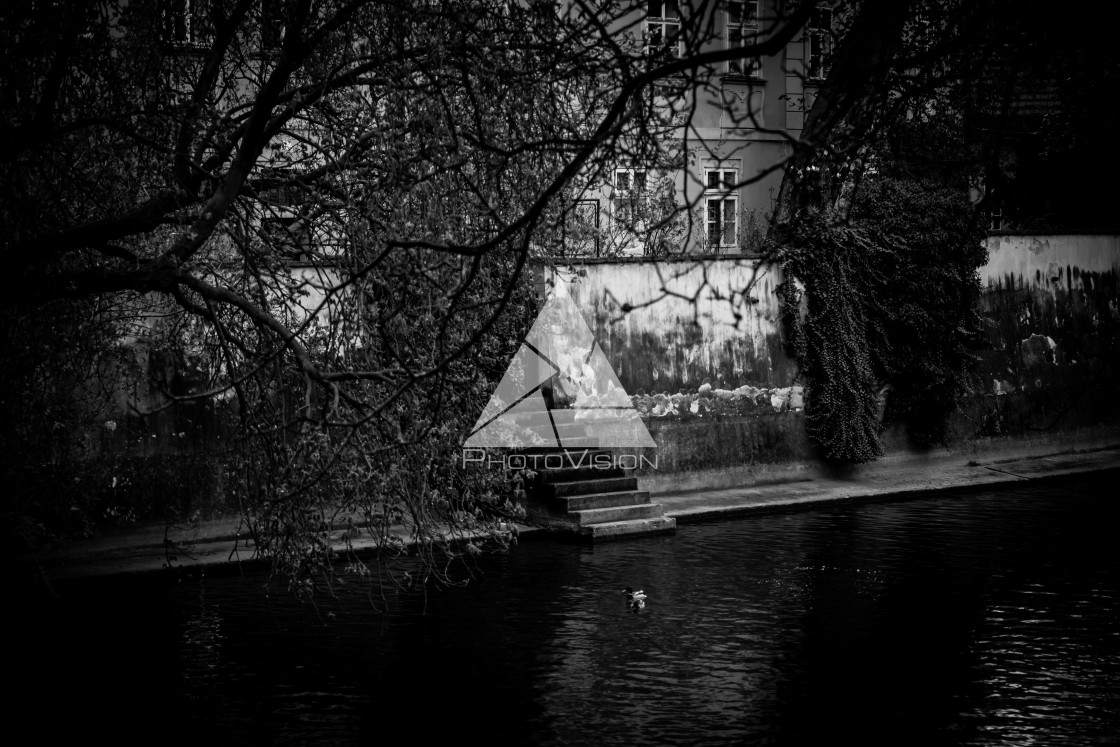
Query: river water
{"type": "Point", "coordinates": [980, 619]}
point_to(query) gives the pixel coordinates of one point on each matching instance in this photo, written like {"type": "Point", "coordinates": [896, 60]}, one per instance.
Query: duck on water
{"type": "Point", "coordinates": [636, 600]}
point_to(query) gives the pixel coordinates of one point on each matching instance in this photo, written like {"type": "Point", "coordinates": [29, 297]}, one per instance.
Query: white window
{"type": "Point", "coordinates": [581, 229]}
{"type": "Point", "coordinates": [742, 26]}
{"type": "Point", "coordinates": [186, 22]}
{"type": "Point", "coordinates": [995, 218]}
{"type": "Point", "coordinates": [819, 52]}
{"type": "Point", "coordinates": [629, 198]}
{"type": "Point", "coordinates": [272, 24]}
{"type": "Point", "coordinates": [286, 233]}
{"type": "Point", "coordinates": [721, 204]}
{"type": "Point", "coordinates": [663, 30]}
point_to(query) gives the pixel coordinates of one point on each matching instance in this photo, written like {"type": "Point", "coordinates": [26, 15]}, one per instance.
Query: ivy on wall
{"type": "Point", "coordinates": [831, 326]}
{"type": "Point", "coordinates": [883, 299]}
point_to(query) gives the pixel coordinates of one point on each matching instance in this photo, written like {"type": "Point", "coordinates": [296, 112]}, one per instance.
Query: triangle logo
{"type": "Point", "coordinates": [560, 390]}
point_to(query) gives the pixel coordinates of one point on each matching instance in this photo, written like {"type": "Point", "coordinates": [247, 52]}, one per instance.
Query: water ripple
{"type": "Point", "coordinates": [986, 619]}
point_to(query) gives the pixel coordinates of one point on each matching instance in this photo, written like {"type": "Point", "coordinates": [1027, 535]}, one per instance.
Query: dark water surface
{"type": "Point", "coordinates": [985, 619]}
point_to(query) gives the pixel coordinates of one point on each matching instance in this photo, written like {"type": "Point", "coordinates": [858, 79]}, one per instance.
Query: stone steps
{"type": "Point", "coordinates": [571, 503]}
{"type": "Point", "coordinates": [589, 486]}
{"type": "Point", "coordinates": [598, 504]}
{"type": "Point", "coordinates": [615, 530]}
{"type": "Point", "coordinates": [609, 514]}
{"type": "Point", "coordinates": [570, 475]}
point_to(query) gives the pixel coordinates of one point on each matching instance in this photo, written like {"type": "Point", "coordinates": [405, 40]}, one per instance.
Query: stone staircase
{"type": "Point", "coordinates": [595, 497]}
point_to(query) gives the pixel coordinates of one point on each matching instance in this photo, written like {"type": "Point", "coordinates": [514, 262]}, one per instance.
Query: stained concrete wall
{"type": "Point", "coordinates": [1054, 309]}
{"type": "Point", "coordinates": [673, 325]}
{"type": "Point", "coordinates": [1054, 337]}
{"type": "Point", "coordinates": [1050, 366]}
{"type": "Point", "coordinates": [1042, 258]}
{"type": "Point", "coordinates": [1050, 369]}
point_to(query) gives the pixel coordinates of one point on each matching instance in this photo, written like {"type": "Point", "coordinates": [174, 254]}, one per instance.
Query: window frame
{"type": "Point", "coordinates": [272, 25]}
{"type": "Point", "coordinates": [286, 231]}
{"type": "Point", "coordinates": [185, 23]}
{"type": "Point", "coordinates": [662, 22]}
{"type": "Point", "coordinates": [748, 67]}
{"type": "Point", "coordinates": [997, 221]}
{"type": "Point", "coordinates": [724, 191]}
{"type": "Point", "coordinates": [634, 195]}
{"type": "Point", "coordinates": [818, 35]}
{"type": "Point", "coordinates": [577, 229]}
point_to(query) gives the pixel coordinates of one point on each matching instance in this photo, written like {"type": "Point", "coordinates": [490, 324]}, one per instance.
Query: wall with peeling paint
{"type": "Point", "coordinates": [674, 325]}
{"type": "Point", "coordinates": [698, 345]}
{"type": "Point", "coordinates": [1054, 340]}
{"type": "Point", "coordinates": [1042, 257]}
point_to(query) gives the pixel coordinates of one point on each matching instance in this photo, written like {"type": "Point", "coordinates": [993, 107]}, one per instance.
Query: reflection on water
{"type": "Point", "coordinates": [980, 620]}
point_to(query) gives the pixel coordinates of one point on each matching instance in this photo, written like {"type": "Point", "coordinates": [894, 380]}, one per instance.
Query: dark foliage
{"type": "Point", "coordinates": [890, 300]}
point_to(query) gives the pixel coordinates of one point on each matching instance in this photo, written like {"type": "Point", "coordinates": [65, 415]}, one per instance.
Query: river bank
{"type": "Point", "coordinates": [226, 542]}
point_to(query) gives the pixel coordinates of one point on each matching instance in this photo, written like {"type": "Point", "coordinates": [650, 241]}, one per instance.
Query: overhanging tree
{"type": "Point", "coordinates": [327, 209]}
{"type": "Point", "coordinates": [323, 208]}
{"type": "Point", "coordinates": [874, 224]}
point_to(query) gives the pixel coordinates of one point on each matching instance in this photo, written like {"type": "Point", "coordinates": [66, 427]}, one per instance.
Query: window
{"type": "Point", "coordinates": [272, 24]}
{"type": "Point", "coordinates": [630, 211]}
{"type": "Point", "coordinates": [581, 229]}
{"type": "Point", "coordinates": [474, 225]}
{"type": "Point", "coordinates": [663, 30]}
{"type": "Point", "coordinates": [283, 231]}
{"type": "Point", "coordinates": [820, 43]}
{"type": "Point", "coordinates": [742, 26]}
{"type": "Point", "coordinates": [629, 197]}
{"type": "Point", "coordinates": [722, 207]}
{"type": "Point", "coordinates": [187, 22]}
{"type": "Point", "coordinates": [996, 221]}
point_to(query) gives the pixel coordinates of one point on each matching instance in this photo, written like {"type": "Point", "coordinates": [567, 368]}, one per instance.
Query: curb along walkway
{"type": "Point", "coordinates": [877, 482]}
{"type": "Point", "coordinates": [217, 542]}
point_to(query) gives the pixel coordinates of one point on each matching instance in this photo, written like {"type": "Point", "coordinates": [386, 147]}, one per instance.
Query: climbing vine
{"type": "Point", "coordinates": [883, 300]}
{"type": "Point", "coordinates": [833, 328]}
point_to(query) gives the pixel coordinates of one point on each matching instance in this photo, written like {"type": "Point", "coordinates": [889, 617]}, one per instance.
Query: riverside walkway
{"type": "Point", "coordinates": [225, 542]}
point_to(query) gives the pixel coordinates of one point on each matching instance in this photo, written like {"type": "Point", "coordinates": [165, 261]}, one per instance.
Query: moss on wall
{"type": "Point", "coordinates": [717, 391]}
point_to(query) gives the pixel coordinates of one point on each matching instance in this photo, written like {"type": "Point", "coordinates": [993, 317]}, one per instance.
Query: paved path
{"type": "Point", "coordinates": [885, 481]}
{"type": "Point", "coordinates": [225, 541]}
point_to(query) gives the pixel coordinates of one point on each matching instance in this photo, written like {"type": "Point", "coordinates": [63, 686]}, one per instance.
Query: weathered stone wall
{"type": "Point", "coordinates": [1054, 306]}
{"type": "Point", "coordinates": [698, 345]}
{"type": "Point", "coordinates": [675, 324]}
{"type": "Point", "coordinates": [699, 348]}
{"type": "Point", "coordinates": [1054, 339]}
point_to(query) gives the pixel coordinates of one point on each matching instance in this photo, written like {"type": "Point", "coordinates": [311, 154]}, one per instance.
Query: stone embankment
{"type": "Point", "coordinates": [224, 543]}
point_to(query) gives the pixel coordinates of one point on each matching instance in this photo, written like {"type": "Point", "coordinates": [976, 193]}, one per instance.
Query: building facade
{"type": "Point", "coordinates": [735, 125]}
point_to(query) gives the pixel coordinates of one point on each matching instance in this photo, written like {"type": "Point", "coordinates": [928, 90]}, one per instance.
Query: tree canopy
{"type": "Point", "coordinates": [937, 120]}
{"type": "Point", "coordinates": [321, 212]}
